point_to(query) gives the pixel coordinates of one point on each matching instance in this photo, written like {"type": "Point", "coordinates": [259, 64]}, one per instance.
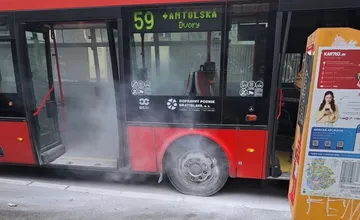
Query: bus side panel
{"type": "Point", "coordinates": [142, 149]}
{"type": "Point", "coordinates": [147, 146]}
{"type": "Point", "coordinates": [225, 138]}
{"type": "Point", "coordinates": [15, 143]}
{"type": "Point", "coordinates": [251, 153]}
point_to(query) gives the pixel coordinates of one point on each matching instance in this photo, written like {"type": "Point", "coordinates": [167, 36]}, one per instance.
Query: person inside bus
{"type": "Point", "coordinates": [202, 82]}
{"type": "Point", "coordinates": [328, 112]}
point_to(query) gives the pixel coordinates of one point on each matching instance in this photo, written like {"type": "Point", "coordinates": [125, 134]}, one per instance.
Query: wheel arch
{"type": "Point", "coordinates": [171, 141]}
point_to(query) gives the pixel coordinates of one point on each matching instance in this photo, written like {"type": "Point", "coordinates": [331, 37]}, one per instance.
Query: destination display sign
{"type": "Point", "coordinates": [177, 20]}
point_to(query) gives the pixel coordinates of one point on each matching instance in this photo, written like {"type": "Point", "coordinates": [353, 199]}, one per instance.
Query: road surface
{"type": "Point", "coordinates": [33, 195]}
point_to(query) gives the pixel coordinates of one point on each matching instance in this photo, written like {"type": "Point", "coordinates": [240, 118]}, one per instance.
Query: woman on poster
{"type": "Point", "coordinates": [357, 76]}
{"type": "Point", "coordinates": [328, 112]}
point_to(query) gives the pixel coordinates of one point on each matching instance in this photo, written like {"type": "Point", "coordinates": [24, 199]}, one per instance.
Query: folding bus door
{"type": "Point", "coordinates": [39, 92]}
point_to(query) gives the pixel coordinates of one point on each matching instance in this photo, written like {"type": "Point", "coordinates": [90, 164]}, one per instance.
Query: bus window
{"type": "Point", "coordinates": [172, 64]}
{"type": "Point", "coordinates": [11, 104]}
{"type": "Point", "coordinates": [247, 50]}
{"type": "Point", "coordinates": [291, 68]}
{"type": "Point", "coordinates": [7, 74]}
{"type": "Point", "coordinates": [176, 63]}
{"type": "Point", "coordinates": [249, 64]}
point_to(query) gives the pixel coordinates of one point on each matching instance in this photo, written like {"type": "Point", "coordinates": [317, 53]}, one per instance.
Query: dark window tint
{"type": "Point", "coordinates": [247, 50]}
{"type": "Point", "coordinates": [7, 73]}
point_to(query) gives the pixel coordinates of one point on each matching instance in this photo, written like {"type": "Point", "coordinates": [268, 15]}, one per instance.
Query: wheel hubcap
{"type": "Point", "coordinates": [197, 166]}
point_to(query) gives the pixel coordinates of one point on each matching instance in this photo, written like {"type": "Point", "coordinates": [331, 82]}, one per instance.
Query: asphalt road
{"type": "Point", "coordinates": [27, 193]}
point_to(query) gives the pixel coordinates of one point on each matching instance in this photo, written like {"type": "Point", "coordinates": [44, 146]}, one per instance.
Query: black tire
{"type": "Point", "coordinates": [208, 159]}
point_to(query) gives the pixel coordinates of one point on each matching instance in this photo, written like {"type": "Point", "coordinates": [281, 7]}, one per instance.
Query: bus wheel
{"type": "Point", "coordinates": [200, 170]}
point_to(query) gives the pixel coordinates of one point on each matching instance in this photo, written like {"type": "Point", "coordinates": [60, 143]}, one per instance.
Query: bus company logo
{"type": "Point", "coordinates": [144, 103]}
{"type": "Point", "coordinates": [171, 104]}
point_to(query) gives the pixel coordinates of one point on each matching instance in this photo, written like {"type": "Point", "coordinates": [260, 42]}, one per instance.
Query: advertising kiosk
{"type": "Point", "coordinates": [325, 179]}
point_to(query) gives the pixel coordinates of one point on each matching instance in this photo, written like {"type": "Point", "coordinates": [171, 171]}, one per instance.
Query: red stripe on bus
{"type": "Point", "coordinates": [15, 143]}
{"type": "Point", "coordinates": [19, 5]}
{"type": "Point", "coordinates": [147, 146]}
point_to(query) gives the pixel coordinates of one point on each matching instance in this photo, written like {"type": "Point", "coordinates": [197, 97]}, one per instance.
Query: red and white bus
{"type": "Point", "coordinates": [191, 89]}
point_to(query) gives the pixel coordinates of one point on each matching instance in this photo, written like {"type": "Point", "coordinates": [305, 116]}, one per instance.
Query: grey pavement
{"type": "Point", "coordinates": [47, 197]}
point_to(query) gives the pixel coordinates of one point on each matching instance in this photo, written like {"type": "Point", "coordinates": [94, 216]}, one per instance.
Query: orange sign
{"type": "Point", "coordinates": [327, 152]}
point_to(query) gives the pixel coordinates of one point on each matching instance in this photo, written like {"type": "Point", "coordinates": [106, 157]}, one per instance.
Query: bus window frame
{"type": "Point", "coordinates": [267, 77]}
{"type": "Point", "coordinates": [280, 45]}
{"type": "Point", "coordinates": [133, 101]}
{"type": "Point", "coordinates": [248, 104]}
{"type": "Point", "coordinates": [15, 97]}
{"type": "Point", "coordinates": [226, 20]}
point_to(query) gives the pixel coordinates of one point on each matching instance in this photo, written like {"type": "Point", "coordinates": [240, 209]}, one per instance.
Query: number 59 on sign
{"type": "Point", "coordinates": [143, 20]}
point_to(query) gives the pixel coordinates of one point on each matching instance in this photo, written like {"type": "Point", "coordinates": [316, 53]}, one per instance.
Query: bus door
{"type": "Point", "coordinates": [115, 38]}
{"type": "Point", "coordinates": [39, 92]}
{"type": "Point", "coordinates": [247, 81]}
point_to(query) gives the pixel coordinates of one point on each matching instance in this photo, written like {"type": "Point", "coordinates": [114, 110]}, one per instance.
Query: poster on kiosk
{"type": "Point", "coordinates": [325, 180]}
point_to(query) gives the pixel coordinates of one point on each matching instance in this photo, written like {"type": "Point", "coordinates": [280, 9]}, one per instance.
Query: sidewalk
{"type": "Point", "coordinates": [31, 200]}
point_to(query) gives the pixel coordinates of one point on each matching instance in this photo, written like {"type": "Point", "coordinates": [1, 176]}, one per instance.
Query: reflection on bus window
{"type": "Point", "coordinates": [292, 66]}
{"type": "Point", "coordinates": [40, 78]}
{"type": "Point", "coordinates": [176, 64]}
{"type": "Point", "coordinates": [7, 74]}
{"type": "Point", "coordinates": [247, 50]}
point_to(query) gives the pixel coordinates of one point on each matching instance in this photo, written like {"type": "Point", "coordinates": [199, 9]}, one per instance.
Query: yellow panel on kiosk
{"type": "Point", "coordinates": [325, 179]}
